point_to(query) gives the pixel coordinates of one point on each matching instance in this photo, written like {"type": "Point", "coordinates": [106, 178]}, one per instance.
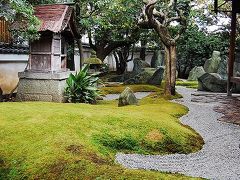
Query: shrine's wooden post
{"type": "Point", "coordinates": [231, 79]}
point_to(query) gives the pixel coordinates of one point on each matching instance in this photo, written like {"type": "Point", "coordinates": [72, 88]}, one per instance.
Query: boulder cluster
{"type": "Point", "coordinates": [213, 75]}
{"type": "Point", "coordinates": [142, 73]}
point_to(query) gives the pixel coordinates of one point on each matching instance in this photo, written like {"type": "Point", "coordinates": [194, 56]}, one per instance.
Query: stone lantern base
{"type": "Point", "coordinates": [47, 87]}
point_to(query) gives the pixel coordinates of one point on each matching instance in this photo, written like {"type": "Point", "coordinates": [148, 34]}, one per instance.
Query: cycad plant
{"type": "Point", "coordinates": [81, 87]}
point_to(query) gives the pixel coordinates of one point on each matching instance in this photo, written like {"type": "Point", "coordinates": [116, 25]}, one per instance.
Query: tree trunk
{"type": "Point", "coordinates": [173, 68]}
{"type": "Point", "coordinates": [101, 54]}
{"type": "Point", "coordinates": [80, 50]}
{"type": "Point", "coordinates": [122, 63]}
{"type": "Point", "coordinates": [121, 56]}
{"type": "Point", "coordinates": [143, 50]}
{"type": "Point", "coordinates": [1, 95]}
{"type": "Point", "coordinates": [170, 70]}
{"type": "Point", "coordinates": [167, 88]}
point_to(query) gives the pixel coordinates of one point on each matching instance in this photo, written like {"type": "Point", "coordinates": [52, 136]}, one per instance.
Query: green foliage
{"type": "Point", "coordinates": [110, 19]}
{"type": "Point", "coordinates": [195, 46]}
{"type": "Point", "coordinates": [110, 24]}
{"type": "Point", "coordinates": [22, 12]}
{"type": "Point", "coordinates": [81, 87]}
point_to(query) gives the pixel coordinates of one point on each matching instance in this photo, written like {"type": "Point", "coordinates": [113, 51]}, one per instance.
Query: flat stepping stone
{"type": "Point", "coordinates": [220, 157]}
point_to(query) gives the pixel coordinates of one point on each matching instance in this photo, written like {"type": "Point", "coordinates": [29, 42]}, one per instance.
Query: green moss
{"type": "Point", "coordinates": [119, 88]}
{"type": "Point", "coordinates": [92, 60]}
{"type": "Point", "coordinates": [189, 84]}
{"type": "Point", "coordinates": [79, 141]}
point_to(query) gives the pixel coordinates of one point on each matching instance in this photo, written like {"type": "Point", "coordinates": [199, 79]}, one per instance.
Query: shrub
{"type": "Point", "coordinates": [81, 87]}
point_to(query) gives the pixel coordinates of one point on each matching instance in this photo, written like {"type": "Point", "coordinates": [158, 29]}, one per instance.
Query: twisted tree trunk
{"type": "Point", "coordinates": [159, 21]}
{"type": "Point", "coordinates": [170, 70]}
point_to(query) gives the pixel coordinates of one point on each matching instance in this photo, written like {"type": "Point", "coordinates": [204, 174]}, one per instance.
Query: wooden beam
{"type": "Point", "coordinates": [235, 79]}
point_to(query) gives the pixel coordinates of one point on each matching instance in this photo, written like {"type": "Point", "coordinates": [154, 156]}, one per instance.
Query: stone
{"type": "Point", "coordinates": [130, 81]}
{"type": "Point", "coordinates": [195, 73]}
{"type": "Point", "coordinates": [222, 69]}
{"type": "Point", "coordinates": [212, 82]}
{"type": "Point", "coordinates": [236, 69]}
{"type": "Point", "coordinates": [118, 78]}
{"type": "Point", "coordinates": [141, 78]}
{"type": "Point", "coordinates": [236, 88]}
{"type": "Point", "coordinates": [139, 65]}
{"type": "Point", "coordinates": [127, 97]}
{"type": "Point", "coordinates": [42, 87]}
{"type": "Point", "coordinates": [157, 59]}
{"type": "Point", "coordinates": [211, 65]}
{"type": "Point", "coordinates": [157, 77]}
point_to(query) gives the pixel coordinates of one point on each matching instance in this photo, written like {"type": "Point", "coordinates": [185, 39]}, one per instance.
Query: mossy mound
{"type": "Point", "coordinates": [79, 141]}
{"type": "Point", "coordinates": [93, 60]}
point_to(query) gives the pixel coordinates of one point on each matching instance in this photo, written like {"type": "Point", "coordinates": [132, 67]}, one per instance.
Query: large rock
{"type": "Point", "coordinates": [211, 65]}
{"type": "Point", "coordinates": [212, 82]}
{"type": "Point", "coordinates": [157, 59]}
{"type": "Point", "coordinates": [237, 69]}
{"type": "Point", "coordinates": [157, 77]}
{"type": "Point", "coordinates": [195, 73]}
{"type": "Point", "coordinates": [222, 69]}
{"type": "Point", "coordinates": [145, 76]}
{"type": "Point", "coordinates": [118, 78]}
{"type": "Point", "coordinates": [139, 65]}
{"type": "Point", "coordinates": [127, 97]}
{"type": "Point", "coordinates": [141, 78]}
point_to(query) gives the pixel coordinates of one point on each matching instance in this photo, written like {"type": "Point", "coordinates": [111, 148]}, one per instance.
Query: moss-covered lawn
{"type": "Point", "coordinates": [78, 141]}
{"type": "Point", "coordinates": [189, 84]}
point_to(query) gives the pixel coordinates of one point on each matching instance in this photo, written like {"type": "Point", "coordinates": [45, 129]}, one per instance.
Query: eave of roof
{"type": "Point", "coordinates": [54, 17]}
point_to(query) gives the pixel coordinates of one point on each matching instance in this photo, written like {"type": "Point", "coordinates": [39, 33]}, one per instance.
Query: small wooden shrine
{"type": "Point", "coordinates": [51, 56]}
{"type": "Point", "coordinates": [57, 31]}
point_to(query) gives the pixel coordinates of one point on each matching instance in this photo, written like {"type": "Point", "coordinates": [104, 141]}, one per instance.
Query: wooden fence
{"type": "Point", "coordinates": [5, 36]}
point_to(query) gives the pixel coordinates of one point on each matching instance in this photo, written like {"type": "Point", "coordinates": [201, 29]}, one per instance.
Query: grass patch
{"type": "Point", "coordinates": [118, 88]}
{"type": "Point", "coordinates": [157, 90]}
{"type": "Point", "coordinates": [189, 84]}
{"type": "Point", "coordinates": [79, 141]}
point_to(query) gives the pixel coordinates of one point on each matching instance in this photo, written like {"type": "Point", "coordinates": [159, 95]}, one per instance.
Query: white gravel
{"type": "Point", "coordinates": [220, 157]}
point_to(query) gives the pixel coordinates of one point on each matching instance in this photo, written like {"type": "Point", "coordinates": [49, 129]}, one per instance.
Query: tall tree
{"type": "Point", "coordinates": [160, 16]}
{"type": "Point", "coordinates": [22, 11]}
{"type": "Point", "coordinates": [111, 24]}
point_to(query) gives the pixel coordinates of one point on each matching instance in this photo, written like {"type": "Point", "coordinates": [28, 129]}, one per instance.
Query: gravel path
{"type": "Point", "coordinates": [220, 157]}
{"type": "Point", "coordinates": [139, 95]}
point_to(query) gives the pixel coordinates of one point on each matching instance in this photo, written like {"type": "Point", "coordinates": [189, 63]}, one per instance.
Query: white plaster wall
{"type": "Point", "coordinates": [10, 65]}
